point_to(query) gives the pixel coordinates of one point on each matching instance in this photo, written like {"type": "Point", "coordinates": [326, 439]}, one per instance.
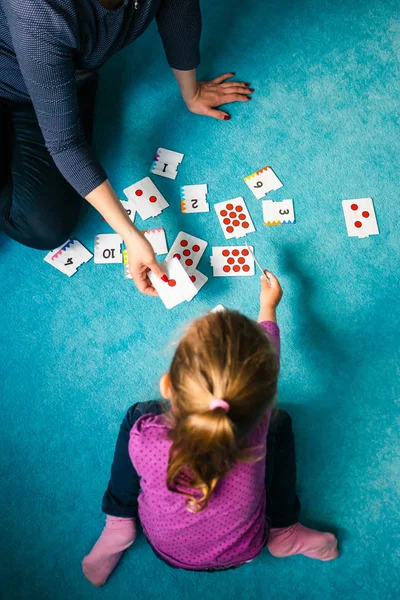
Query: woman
{"type": "Point", "coordinates": [49, 53]}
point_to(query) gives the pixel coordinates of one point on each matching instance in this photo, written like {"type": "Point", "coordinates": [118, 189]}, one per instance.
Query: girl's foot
{"type": "Point", "coordinates": [117, 535]}
{"type": "Point", "coordinates": [298, 539]}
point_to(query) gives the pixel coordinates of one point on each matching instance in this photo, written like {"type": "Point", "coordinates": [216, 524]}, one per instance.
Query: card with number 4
{"type": "Point", "coordinates": [232, 261]}
{"type": "Point", "coordinates": [234, 218]}
{"type": "Point", "coordinates": [146, 198]}
{"type": "Point", "coordinates": [263, 181]}
{"type": "Point", "coordinates": [68, 257]}
{"type": "Point", "coordinates": [107, 248]}
{"type": "Point", "coordinates": [360, 217]}
{"type": "Point", "coordinates": [188, 249]}
{"type": "Point", "coordinates": [179, 286]}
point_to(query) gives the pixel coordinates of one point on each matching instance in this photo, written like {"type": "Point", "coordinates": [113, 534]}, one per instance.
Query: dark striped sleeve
{"type": "Point", "coordinates": [179, 24]}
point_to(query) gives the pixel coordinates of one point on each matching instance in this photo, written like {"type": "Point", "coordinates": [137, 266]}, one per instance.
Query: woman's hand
{"type": "Point", "coordinates": [270, 296]}
{"type": "Point", "coordinates": [210, 94]}
{"type": "Point", "coordinates": [142, 259]}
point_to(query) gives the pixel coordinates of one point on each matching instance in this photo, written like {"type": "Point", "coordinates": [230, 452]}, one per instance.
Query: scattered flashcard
{"type": "Point", "coordinates": [199, 279]}
{"type": "Point", "coordinates": [68, 257]}
{"type": "Point", "coordinates": [130, 208]}
{"type": "Point", "coordinates": [278, 213]}
{"type": "Point", "coordinates": [263, 181]}
{"type": "Point", "coordinates": [218, 308]}
{"type": "Point", "coordinates": [125, 260]}
{"type": "Point", "coordinates": [234, 218]}
{"type": "Point", "coordinates": [232, 261]}
{"type": "Point", "coordinates": [157, 239]}
{"type": "Point", "coordinates": [146, 198]}
{"type": "Point", "coordinates": [178, 288]}
{"type": "Point", "coordinates": [166, 163]}
{"type": "Point", "coordinates": [107, 248]}
{"type": "Point", "coordinates": [360, 217]}
{"type": "Point", "coordinates": [194, 198]}
{"type": "Point", "coordinates": [188, 249]}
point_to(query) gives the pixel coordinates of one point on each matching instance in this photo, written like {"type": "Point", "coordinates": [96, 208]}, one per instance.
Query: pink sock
{"type": "Point", "coordinates": [297, 539]}
{"type": "Point", "coordinates": [117, 535]}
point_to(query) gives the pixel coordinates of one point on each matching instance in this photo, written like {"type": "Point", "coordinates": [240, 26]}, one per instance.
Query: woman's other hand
{"type": "Point", "coordinates": [210, 94]}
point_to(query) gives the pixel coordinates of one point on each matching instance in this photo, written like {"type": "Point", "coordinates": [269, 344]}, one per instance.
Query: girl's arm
{"type": "Point", "coordinates": [270, 296]}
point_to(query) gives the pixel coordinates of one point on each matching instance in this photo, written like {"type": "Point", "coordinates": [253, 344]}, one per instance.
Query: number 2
{"type": "Point", "coordinates": [194, 202]}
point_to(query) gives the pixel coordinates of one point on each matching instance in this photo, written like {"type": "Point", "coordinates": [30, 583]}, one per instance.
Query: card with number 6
{"type": "Point", "coordinates": [263, 181]}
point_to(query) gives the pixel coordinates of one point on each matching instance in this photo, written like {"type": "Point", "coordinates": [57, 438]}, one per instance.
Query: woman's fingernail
{"type": "Point", "coordinates": [165, 278]}
{"type": "Point", "coordinates": [251, 89]}
{"type": "Point", "coordinates": [247, 84]}
{"type": "Point", "coordinates": [226, 117]}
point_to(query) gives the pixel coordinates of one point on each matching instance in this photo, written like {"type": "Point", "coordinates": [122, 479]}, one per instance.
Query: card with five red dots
{"type": "Point", "coordinates": [360, 217]}
{"type": "Point", "coordinates": [234, 218]}
{"type": "Point", "coordinates": [232, 261]}
{"type": "Point", "coordinates": [146, 198]}
{"type": "Point", "coordinates": [188, 249]}
{"type": "Point", "coordinates": [178, 288]}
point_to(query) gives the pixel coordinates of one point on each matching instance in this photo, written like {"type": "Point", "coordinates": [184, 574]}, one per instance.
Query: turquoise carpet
{"type": "Point", "coordinates": [75, 353]}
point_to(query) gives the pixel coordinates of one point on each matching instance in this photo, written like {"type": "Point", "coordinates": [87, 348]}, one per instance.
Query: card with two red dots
{"type": "Point", "coordinates": [146, 198]}
{"type": "Point", "coordinates": [234, 218]}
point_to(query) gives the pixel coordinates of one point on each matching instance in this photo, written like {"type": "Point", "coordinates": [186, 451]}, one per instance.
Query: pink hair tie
{"type": "Point", "coordinates": [219, 403]}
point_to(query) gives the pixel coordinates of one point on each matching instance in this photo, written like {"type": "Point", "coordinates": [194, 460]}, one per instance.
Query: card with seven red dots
{"type": "Point", "coordinates": [166, 163]}
{"type": "Point", "coordinates": [146, 198]}
{"type": "Point", "coordinates": [107, 248]}
{"type": "Point", "coordinates": [263, 181]}
{"type": "Point", "coordinates": [234, 218]}
{"type": "Point", "coordinates": [360, 217]}
{"type": "Point", "coordinates": [232, 261]}
{"type": "Point", "coordinates": [188, 249]}
{"type": "Point", "coordinates": [179, 286]}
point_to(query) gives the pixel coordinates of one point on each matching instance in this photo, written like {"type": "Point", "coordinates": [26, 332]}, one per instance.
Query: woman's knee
{"type": "Point", "coordinates": [41, 234]}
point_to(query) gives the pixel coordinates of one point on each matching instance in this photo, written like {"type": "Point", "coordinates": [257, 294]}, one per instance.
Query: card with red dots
{"type": "Point", "coordinates": [263, 181]}
{"type": "Point", "coordinates": [146, 198]}
{"type": "Point", "coordinates": [232, 261]}
{"type": "Point", "coordinates": [166, 163]}
{"type": "Point", "coordinates": [157, 239]}
{"type": "Point", "coordinates": [360, 217]}
{"type": "Point", "coordinates": [234, 218]}
{"type": "Point", "coordinates": [188, 249]}
{"type": "Point", "coordinates": [199, 279]}
{"type": "Point", "coordinates": [179, 286]}
{"type": "Point", "coordinates": [278, 213]}
{"type": "Point", "coordinates": [107, 248]}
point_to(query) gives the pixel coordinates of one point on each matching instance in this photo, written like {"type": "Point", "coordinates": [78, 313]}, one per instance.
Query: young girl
{"type": "Point", "coordinates": [212, 477]}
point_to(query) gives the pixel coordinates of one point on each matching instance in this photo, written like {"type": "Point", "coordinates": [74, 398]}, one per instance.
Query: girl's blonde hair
{"type": "Point", "coordinates": [222, 355]}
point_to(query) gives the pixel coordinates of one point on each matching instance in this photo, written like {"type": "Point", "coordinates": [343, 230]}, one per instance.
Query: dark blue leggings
{"type": "Point", "coordinates": [283, 506]}
{"type": "Point", "coordinates": [38, 207]}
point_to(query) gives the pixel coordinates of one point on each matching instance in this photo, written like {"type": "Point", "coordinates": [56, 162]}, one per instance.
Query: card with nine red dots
{"type": "Point", "coordinates": [146, 198]}
{"type": "Point", "coordinates": [360, 217]}
{"type": "Point", "coordinates": [234, 218]}
{"type": "Point", "coordinates": [232, 261]}
{"type": "Point", "coordinates": [188, 249]}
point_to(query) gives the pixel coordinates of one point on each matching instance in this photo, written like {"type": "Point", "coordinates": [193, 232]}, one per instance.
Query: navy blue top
{"type": "Point", "coordinates": [48, 48]}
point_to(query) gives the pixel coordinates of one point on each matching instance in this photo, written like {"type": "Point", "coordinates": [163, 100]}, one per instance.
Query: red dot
{"type": "Point", "coordinates": [223, 213]}
{"type": "Point", "coordinates": [153, 199]}
{"type": "Point", "coordinates": [188, 262]}
{"type": "Point", "coordinates": [225, 252]}
{"type": "Point", "coordinates": [245, 225]}
{"type": "Point", "coordinates": [239, 208]}
{"type": "Point", "coordinates": [226, 221]}
{"type": "Point", "coordinates": [178, 256]}
{"type": "Point", "coordinates": [231, 260]}
{"type": "Point", "coordinates": [242, 217]}
{"type": "Point", "coordinates": [235, 252]}
{"type": "Point", "coordinates": [236, 268]}
{"type": "Point", "coordinates": [192, 278]}
{"type": "Point", "coordinates": [246, 268]}
{"type": "Point", "coordinates": [171, 282]}
{"type": "Point", "coordinates": [235, 223]}
{"type": "Point", "coordinates": [226, 268]}
{"type": "Point", "coordinates": [184, 243]}
{"type": "Point", "coordinates": [245, 252]}
{"type": "Point", "coordinates": [138, 192]}
{"type": "Point", "coordinates": [354, 207]}
{"type": "Point", "coordinates": [186, 252]}
{"type": "Point", "coordinates": [358, 224]}
{"type": "Point", "coordinates": [196, 248]}
{"type": "Point", "coordinates": [229, 229]}
{"type": "Point", "coordinates": [365, 214]}
{"type": "Point", "coordinates": [241, 260]}
{"type": "Point", "coordinates": [232, 215]}
{"type": "Point", "coordinates": [229, 206]}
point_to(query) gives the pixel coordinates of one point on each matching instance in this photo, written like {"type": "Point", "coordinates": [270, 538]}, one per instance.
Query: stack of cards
{"type": "Point", "coordinates": [107, 248]}
{"type": "Point", "coordinates": [68, 257]}
{"type": "Point", "coordinates": [263, 181]}
{"type": "Point", "coordinates": [232, 261]}
{"type": "Point", "coordinates": [194, 198]}
{"type": "Point", "coordinates": [166, 163]}
{"type": "Point", "coordinates": [157, 239]}
{"type": "Point", "coordinates": [146, 198]}
{"type": "Point", "coordinates": [278, 213]}
{"type": "Point", "coordinates": [234, 218]}
{"type": "Point", "coordinates": [179, 286]}
{"type": "Point", "coordinates": [360, 217]}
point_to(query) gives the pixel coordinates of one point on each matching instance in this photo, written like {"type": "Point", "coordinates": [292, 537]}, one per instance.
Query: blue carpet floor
{"type": "Point", "coordinates": [75, 353]}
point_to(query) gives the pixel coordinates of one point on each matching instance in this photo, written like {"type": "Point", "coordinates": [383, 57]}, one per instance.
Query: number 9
{"type": "Point", "coordinates": [258, 184]}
